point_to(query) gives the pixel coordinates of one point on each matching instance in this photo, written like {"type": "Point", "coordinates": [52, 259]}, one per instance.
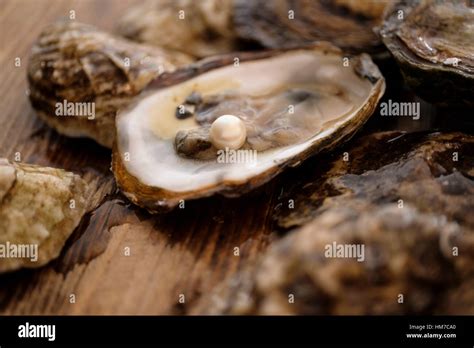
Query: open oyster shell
{"type": "Point", "coordinates": [285, 23]}
{"type": "Point", "coordinates": [433, 42]}
{"type": "Point", "coordinates": [198, 28]}
{"type": "Point", "coordinates": [79, 76]}
{"type": "Point", "coordinates": [330, 101]}
{"type": "Point", "coordinates": [39, 208]}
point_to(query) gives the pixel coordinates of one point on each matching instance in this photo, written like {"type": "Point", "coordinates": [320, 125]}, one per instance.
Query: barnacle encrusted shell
{"type": "Point", "coordinates": [330, 102]}
{"type": "Point", "coordinates": [433, 43]}
{"type": "Point", "coordinates": [76, 63]}
{"type": "Point", "coordinates": [39, 206]}
{"type": "Point", "coordinates": [288, 23]}
{"type": "Point", "coordinates": [199, 28]}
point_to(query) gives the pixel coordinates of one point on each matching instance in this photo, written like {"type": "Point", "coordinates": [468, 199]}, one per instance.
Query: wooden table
{"type": "Point", "coordinates": [189, 251]}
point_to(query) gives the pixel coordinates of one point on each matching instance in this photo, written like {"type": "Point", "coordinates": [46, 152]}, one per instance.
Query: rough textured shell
{"type": "Point", "coordinates": [287, 23]}
{"type": "Point", "coordinates": [198, 28]}
{"type": "Point", "coordinates": [35, 208]}
{"type": "Point", "coordinates": [442, 74]}
{"type": "Point", "coordinates": [77, 63]}
{"type": "Point", "coordinates": [355, 202]}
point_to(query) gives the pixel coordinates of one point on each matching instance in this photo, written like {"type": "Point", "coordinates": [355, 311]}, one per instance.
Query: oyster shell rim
{"type": "Point", "coordinates": [138, 193]}
{"type": "Point", "coordinates": [431, 81]}
{"type": "Point", "coordinates": [388, 35]}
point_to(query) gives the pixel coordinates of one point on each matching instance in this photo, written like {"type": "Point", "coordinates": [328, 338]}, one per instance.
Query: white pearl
{"type": "Point", "coordinates": [228, 131]}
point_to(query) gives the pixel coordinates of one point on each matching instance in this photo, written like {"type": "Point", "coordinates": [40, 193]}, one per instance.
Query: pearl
{"type": "Point", "coordinates": [228, 131]}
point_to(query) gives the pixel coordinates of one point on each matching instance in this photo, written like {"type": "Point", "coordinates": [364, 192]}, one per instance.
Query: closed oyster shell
{"type": "Point", "coordinates": [404, 199]}
{"type": "Point", "coordinates": [198, 28]}
{"type": "Point", "coordinates": [76, 63]}
{"type": "Point", "coordinates": [39, 206]}
{"type": "Point", "coordinates": [286, 23]}
{"type": "Point", "coordinates": [151, 172]}
{"type": "Point", "coordinates": [433, 43]}
{"type": "Point", "coordinates": [402, 255]}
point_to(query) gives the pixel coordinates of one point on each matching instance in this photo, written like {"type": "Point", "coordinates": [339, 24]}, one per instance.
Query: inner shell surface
{"type": "Point", "coordinates": [289, 101]}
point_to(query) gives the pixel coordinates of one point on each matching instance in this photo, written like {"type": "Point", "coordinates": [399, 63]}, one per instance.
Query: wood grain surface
{"type": "Point", "coordinates": [188, 251]}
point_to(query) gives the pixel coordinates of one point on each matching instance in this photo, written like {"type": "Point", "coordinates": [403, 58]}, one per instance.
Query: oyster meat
{"type": "Point", "coordinates": [79, 76]}
{"type": "Point", "coordinates": [39, 209]}
{"type": "Point", "coordinates": [433, 43]}
{"type": "Point", "coordinates": [198, 28]}
{"type": "Point", "coordinates": [288, 23]}
{"type": "Point", "coordinates": [292, 104]}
